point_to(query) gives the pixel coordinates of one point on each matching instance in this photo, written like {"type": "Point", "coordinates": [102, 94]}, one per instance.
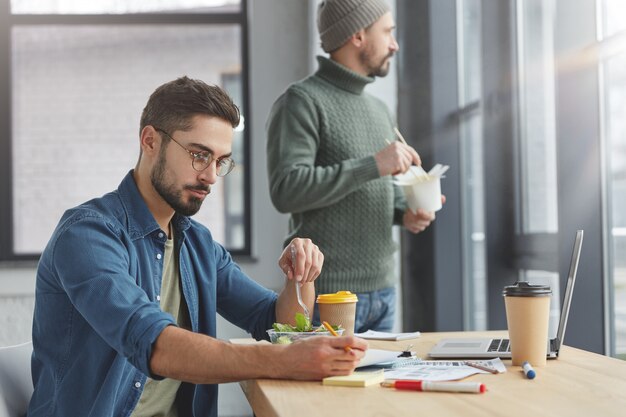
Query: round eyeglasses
{"type": "Point", "coordinates": [201, 160]}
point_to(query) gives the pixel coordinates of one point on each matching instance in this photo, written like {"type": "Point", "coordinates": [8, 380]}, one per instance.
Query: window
{"type": "Point", "coordinates": [520, 115]}
{"type": "Point", "coordinates": [537, 217]}
{"type": "Point", "coordinates": [472, 167]}
{"type": "Point", "coordinates": [536, 116]}
{"type": "Point", "coordinates": [612, 45]}
{"type": "Point", "coordinates": [77, 78]}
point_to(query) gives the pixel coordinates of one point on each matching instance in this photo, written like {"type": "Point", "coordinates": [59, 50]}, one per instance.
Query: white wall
{"type": "Point", "coordinates": [17, 286]}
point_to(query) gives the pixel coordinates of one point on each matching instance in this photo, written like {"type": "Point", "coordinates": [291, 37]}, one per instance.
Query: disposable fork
{"type": "Point", "coordinates": [297, 284]}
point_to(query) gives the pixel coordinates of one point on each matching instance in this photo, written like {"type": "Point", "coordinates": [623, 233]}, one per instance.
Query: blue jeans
{"type": "Point", "coordinates": [375, 310]}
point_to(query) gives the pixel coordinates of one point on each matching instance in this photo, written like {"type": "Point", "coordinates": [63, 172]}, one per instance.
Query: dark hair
{"type": "Point", "coordinates": [173, 104]}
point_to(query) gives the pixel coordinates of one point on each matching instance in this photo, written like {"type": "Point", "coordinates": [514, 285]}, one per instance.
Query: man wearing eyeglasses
{"type": "Point", "coordinates": [129, 286]}
{"type": "Point", "coordinates": [331, 152]}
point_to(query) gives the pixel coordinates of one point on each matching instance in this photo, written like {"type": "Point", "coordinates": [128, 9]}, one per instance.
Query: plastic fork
{"type": "Point", "coordinates": [298, 293]}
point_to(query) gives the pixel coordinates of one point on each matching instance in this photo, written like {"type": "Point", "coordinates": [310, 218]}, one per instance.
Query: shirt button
{"type": "Point", "coordinates": [158, 256]}
{"type": "Point", "coordinates": [158, 298]}
{"type": "Point", "coordinates": [137, 384]}
{"type": "Point", "coordinates": [160, 234]}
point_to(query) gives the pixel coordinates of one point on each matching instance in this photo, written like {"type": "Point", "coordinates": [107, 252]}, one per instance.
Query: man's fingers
{"type": "Point", "coordinates": [352, 341]}
{"type": "Point", "coordinates": [316, 268]}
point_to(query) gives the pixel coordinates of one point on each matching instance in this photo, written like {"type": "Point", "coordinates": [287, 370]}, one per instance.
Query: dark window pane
{"type": "Point", "coordinates": [614, 86]}
{"type": "Point", "coordinates": [78, 93]}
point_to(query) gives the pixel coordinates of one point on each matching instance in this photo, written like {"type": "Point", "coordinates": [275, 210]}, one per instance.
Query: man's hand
{"type": "Point", "coordinates": [309, 260]}
{"type": "Point", "coordinates": [419, 221]}
{"type": "Point", "coordinates": [200, 359]}
{"type": "Point", "coordinates": [396, 158]}
{"type": "Point", "coordinates": [317, 357]}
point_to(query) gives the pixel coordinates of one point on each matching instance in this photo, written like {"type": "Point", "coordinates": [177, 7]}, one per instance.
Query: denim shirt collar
{"type": "Point", "coordinates": [140, 221]}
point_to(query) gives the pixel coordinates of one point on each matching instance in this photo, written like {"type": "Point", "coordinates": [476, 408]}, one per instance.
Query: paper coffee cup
{"type": "Point", "coordinates": [422, 191]}
{"type": "Point", "coordinates": [527, 316]}
{"type": "Point", "coordinates": [338, 309]}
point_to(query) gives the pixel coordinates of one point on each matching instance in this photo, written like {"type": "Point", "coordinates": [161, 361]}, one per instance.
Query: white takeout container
{"type": "Point", "coordinates": [422, 191]}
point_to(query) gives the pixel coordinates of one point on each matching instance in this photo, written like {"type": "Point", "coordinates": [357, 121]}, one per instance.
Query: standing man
{"type": "Point", "coordinates": [129, 286]}
{"type": "Point", "coordinates": [330, 159]}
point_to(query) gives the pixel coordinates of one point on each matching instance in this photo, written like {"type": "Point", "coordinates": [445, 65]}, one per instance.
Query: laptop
{"type": "Point", "coordinates": [492, 348]}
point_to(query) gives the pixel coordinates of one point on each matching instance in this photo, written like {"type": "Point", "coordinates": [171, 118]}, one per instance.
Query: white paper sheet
{"type": "Point", "coordinates": [375, 356]}
{"type": "Point", "coordinates": [416, 369]}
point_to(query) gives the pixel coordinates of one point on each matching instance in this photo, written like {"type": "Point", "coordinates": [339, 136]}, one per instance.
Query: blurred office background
{"type": "Point", "coordinates": [525, 99]}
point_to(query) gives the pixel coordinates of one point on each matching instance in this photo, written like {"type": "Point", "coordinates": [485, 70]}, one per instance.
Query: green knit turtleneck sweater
{"type": "Point", "coordinates": [323, 133]}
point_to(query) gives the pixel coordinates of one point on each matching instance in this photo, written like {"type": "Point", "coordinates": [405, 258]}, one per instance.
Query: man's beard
{"type": "Point", "coordinates": [380, 70]}
{"type": "Point", "coordinates": [172, 196]}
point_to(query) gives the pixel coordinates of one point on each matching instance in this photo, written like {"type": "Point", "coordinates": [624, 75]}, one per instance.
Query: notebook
{"type": "Point", "coordinates": [491, 348]}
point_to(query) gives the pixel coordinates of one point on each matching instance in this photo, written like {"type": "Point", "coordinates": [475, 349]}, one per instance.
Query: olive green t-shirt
{"type": "Point", "coordinates": [159, 397]}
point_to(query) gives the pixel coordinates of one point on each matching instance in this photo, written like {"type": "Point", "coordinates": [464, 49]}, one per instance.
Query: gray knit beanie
{"type": "Point", "coordinates": [337, 20]}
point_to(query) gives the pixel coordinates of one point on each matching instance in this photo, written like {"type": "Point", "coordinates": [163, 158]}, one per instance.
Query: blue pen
{"type": "Point", "coordinates": [528, 370]}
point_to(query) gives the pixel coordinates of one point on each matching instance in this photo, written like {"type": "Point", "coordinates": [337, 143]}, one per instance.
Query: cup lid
{"type": "Point", "coordinates": [336, 298]}
{"type": "Point", "coordinates": [524, 289]}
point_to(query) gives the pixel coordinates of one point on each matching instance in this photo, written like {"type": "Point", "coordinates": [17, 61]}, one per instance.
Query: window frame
{"type": "Point", "coordinates": [8, 21]}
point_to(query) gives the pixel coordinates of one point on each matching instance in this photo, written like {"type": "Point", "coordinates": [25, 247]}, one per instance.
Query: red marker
{"type": "Point", "coordinates": [471, 387]}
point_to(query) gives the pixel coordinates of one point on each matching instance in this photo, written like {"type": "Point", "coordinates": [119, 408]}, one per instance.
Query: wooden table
{"type": "Point", "coordinates": [578, 383]}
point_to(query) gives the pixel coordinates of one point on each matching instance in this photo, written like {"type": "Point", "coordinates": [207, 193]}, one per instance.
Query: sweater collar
{"type": "Point", "coordinates": [341, 77]}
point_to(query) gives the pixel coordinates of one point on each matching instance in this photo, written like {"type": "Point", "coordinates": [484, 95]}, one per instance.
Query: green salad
{"type": "Point", "coordinates": [303, 324]}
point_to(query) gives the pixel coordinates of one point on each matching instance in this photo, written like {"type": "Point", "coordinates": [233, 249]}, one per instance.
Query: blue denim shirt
{"type": "Point", "coordinates": [97, 311]}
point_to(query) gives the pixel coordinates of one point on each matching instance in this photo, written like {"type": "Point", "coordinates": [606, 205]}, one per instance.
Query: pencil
{"type": "Point", "coordinates": [334, 333]}
{"type": "Point", "coordinates": [481, 367]}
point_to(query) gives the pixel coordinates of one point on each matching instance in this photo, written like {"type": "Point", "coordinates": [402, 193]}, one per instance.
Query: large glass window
{"type": "Point", "coordinates": [76, 96]}
{"type": "Point", "coordinates": [612, 39]}
{"type": "Point", "coordinates": [536, 142]}
{"type": "Point", "coordinates": [536, 116]}
{"type": "Point", "coordinates": [472, 167]}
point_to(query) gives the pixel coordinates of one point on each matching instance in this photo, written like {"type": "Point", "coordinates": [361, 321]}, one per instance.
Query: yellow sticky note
{"type": "Point", "coordinates": [356, 379]}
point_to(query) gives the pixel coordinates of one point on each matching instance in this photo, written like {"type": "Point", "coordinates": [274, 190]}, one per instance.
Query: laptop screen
{"type": "Point", "coordinates": [571, 278]}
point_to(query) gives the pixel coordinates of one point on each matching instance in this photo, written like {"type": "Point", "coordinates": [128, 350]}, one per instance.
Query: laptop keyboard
{"type": "Point", "coordinates": [499, 345]}
{"type": "Point", "coordinates": [503, 345]}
